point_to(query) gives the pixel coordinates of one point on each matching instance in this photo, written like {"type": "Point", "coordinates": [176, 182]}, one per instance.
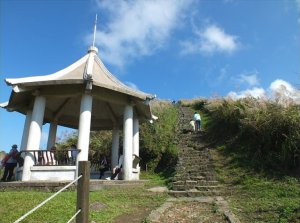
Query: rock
{"type": "Point", "coordinates": [158, 189]}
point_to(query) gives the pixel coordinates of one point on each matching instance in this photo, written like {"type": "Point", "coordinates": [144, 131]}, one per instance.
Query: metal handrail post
{"type": "Point", "coordinates": [83, 192]}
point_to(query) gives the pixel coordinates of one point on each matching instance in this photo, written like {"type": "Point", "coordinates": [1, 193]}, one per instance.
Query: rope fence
{"type": "Point", "coordinates": [82, 195]}
{"type": "Point", "coordinates": [74, 216]}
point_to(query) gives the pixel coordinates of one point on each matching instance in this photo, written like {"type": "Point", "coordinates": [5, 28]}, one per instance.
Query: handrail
{"type": "Point", "coordinates": [48, 199]}
{"type": "Point", "coordinates": [53, 158]}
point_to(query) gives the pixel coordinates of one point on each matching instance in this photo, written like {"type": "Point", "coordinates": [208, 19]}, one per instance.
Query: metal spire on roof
{"type": "Point", "coordinates": [95, 30]}
{"type": "Point", "coordinates": [93, 48]}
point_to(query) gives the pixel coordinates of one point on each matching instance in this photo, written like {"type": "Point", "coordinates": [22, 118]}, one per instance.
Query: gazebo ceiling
{"type": "Point", "coordinates": [63, 91]}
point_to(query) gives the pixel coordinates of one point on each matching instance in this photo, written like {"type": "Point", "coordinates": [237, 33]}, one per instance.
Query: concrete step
{"type": "Point", "coordinates": [194, 193]}
{"type": "Point", "coordinates": [185, 187]}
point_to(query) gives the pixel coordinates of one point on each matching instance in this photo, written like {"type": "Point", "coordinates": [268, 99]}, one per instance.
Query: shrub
{"type": "Point", "coordinates": [158, 148]}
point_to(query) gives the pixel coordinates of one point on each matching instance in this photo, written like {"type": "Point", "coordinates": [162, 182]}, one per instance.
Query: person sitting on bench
{"type": "Point", "coordinates": [117, 169]}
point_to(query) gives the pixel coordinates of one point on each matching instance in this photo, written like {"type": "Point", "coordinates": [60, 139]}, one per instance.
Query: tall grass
{"type": "Point", "coordinates": [263, 131]}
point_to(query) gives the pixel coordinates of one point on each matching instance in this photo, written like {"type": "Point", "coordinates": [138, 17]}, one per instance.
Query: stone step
{"type": "Point", "coordinates": [199, 182]}
{"type": "Point", "coordinates": [191, 152]}
{"type": "Point", "coordinates": [194, 169]}
{"type": "Point", "coordinates": [195, 158]}
{"type": "Point", "coordinates": [192, 162]}
{"type": "Point", "coordinates": [186, 187]}
{"type": "Point", "coordinates": [192, 177]}
{"type": "Point", "coordinates": [196, 173]}
{"type": "Point", "coordinates": [194, 193]}
{"type": "Point", "coordinates": [209, 188]}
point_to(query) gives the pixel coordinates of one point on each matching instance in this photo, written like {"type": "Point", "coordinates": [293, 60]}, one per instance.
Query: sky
{"type": "Point", "coordinates": [175, 49]}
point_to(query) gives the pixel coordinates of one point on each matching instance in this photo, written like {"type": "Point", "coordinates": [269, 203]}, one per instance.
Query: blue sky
{"type": "Point", "coordinates": [174, 49]}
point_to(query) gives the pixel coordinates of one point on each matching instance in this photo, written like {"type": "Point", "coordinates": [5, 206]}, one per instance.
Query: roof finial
{"type": "Point", "coordinates": [95, 30]}
{"type": "Point", "coordinates": [93, 48]}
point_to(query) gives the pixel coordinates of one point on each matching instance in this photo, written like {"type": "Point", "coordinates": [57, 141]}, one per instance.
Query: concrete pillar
{"type": "Point", "coordinates": [136, 136]}
{"type": "Point", "coordinates": [52, 135]}
{"type": "Point", "coordinates": [136, 145]}
{"type": "Point", "coordinates": [34, 136]}
{"type": "Point", "coordinates": [26, 130]}
{"type": "Point", "coordinates": [84, 128]}
{"type": "Point", "coordinates": [127, 150]}
{"type": "Point", "coordinates": [115, 147]}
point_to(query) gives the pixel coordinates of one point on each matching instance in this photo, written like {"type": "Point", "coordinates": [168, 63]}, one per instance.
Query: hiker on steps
{"type": "Point", "coordinates": [197, 119]}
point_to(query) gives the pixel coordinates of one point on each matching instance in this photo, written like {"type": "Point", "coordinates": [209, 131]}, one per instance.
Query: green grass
{"type": "Point", "coordinates": [258, 197]}
{"type": "Point", "coordinates": [13, 204]}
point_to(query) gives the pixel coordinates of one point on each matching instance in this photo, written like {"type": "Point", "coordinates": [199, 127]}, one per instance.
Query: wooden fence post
{"type": "Point", "coordinates": [83, 192]}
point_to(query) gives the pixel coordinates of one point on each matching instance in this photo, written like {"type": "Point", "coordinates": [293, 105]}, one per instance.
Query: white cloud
{"type": "Point", "coordinates": [284, 92]}
{"type": "Point", "coordinates": [210, 40]}
{"type": "Point", "coordinates": [250, 79]}
{"type": "Point", "coordinates": [254, 92]}
{"type": "Point", "coordinates": [298, 6]}
{"type": "Point", "coordinates": [137, 28]}
{"type": "Point", "coordinates": [279, 90]}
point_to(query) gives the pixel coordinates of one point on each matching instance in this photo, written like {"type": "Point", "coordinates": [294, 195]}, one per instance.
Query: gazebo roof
{"type": "Point", "coordinates": [64, 88]}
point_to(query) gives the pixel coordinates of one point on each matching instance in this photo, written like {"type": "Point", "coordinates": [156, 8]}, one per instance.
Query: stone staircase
{"type": "Point", "coordinates": [194, 171]}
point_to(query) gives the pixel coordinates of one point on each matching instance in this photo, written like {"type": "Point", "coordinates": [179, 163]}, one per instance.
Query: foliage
{"type": "Point", "coordinates": [100, 144]}
{"type": "Point", "coordinates": [158, 140]}
{"type": "Point", "coordinates": [263, 131]}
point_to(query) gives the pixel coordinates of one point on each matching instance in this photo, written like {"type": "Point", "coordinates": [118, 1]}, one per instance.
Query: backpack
{"type": "Point", "coordinates": [20, 159]}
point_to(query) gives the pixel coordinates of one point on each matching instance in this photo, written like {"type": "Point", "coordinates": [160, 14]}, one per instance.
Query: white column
{"type": "Point", "coordinates": [52, 135]}
{"type": "Point", "coordinates": [84, 127]}
{"type": "Point", "coordinates": [115, 147]}
{"type": "Point", "coordinates": [136, 137]}
{"type": "Point", "coordinates": [136, 144]}
{"type": "Point", "coordinates": [26, 130]}
{"type": "Point", "coordinates": [34, 136]}
{"type": "Point", "coordinates": [128, 131]}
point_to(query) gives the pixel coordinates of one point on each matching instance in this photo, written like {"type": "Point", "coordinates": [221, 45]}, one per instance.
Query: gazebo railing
{"type": "Point", "coordinates": [53, 158]}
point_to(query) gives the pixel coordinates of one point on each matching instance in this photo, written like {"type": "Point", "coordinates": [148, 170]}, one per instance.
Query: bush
{"type": "Point", "coordinates": [157, 142]}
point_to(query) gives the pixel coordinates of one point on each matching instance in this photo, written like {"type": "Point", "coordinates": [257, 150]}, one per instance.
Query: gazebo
{"type": "Point", "coordinates": [83, 96]}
